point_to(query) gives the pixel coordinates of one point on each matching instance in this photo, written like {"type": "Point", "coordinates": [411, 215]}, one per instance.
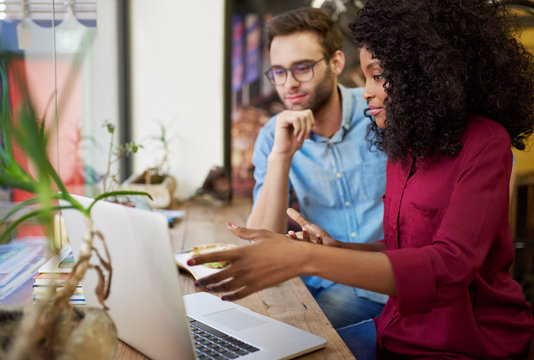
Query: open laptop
{"type": "Point", "coordinates": [146, 301]}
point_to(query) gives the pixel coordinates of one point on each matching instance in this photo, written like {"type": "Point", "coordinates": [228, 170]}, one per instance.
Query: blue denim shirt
{"type": "Point", "coordinates": [339, 181]}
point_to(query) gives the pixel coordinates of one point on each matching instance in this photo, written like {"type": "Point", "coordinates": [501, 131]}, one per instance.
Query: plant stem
{"type": "Point", "coordinates": [61, 300]}
{"type": "Point", "coordinates": [37, 331]}
{"type": "Point", "coordinates": [108, 170]}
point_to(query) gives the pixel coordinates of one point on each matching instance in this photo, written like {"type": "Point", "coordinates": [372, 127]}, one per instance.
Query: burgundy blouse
{"type": "Point", "coordinates": [448, 238]}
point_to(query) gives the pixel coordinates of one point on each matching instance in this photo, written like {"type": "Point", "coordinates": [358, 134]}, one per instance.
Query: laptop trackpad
{"type": "Point", "coordinates": [235, 319]}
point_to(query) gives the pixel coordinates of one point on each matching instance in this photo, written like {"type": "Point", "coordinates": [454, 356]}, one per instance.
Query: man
{"type": "Point", "coordinates": [318, 149]}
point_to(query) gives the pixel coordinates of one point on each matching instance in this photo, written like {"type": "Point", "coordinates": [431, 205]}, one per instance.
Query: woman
{"type": "Point", "coordinates": [450, 91]}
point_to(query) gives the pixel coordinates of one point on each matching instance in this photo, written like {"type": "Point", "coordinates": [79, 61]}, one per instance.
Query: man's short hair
{"type": "Point", "coordinates": [306, 19]}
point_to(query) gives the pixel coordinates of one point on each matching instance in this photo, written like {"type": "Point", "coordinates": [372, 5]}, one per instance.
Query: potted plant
{"type": "Point", "coordinates": [52, 328]}
{"type": "Point", "coordinates": [156, 180]}
{"type": "Point", "coordinates": [110, 181]}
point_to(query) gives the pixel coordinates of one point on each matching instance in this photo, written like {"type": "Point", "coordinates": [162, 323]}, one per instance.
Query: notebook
{"type": "Point", "coordinates": [146, 301]}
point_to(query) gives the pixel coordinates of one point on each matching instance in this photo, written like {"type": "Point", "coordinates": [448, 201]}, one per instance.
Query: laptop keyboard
{"type": "Point", "coordinates": [214, 344]}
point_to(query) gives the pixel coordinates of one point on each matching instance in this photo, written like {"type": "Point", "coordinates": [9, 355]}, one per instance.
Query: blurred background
{"type": "Point", "coordinates": [183, 82]}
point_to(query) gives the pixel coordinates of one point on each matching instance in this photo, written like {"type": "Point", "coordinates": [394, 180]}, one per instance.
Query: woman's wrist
{"type": "Point", "coordinates": [307, 254]}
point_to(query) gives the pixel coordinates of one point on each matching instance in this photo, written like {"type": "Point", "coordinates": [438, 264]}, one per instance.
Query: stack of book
{"type": "Point", "coordinates": [54, 273]}
{"type": "Point", "coordinates": [19, 262]}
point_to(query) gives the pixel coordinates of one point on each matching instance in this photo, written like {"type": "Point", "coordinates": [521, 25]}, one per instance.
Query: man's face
{"type": "Point", "coordinates": [288, 51]}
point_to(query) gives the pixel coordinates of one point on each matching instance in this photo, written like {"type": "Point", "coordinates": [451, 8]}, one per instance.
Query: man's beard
{"type": "Point", "coordinates": [319, 97]}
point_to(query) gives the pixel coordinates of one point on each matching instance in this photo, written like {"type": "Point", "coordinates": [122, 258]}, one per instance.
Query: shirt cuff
{"type": "Point", "coordinates": [414, 279]}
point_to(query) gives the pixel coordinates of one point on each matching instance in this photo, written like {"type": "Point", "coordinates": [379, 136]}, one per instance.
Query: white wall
{"type": "Point", "coordinates": [101, 100]}
{"type": "Point", "coordinates": [177, 80]}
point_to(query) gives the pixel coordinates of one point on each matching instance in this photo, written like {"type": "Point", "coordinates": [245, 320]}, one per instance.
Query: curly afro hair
{"type": "Point", "coordinates": [443, 61]}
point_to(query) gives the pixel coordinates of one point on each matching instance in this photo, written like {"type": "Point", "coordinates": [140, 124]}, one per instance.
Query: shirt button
{"type": "Point", "coordinates": [330, 144]}
{"type": "Point", "coordinates": [338, 175]}
{"type": "Point", "coordinates": [347, 203]}
{"type": "Point", "coordinates": [352, 234]}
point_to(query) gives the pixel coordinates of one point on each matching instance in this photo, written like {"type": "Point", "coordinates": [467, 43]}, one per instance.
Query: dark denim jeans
{"type": "Point", "coordinates": [343, 306]}
{"type": "Point", "coordinates": [360, 339]}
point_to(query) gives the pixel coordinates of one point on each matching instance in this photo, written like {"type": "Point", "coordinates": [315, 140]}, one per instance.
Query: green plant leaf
{"type": "Point", "coordinates": [15, 182]}
{"type": "Point", "coordinates": [17, 207]}
{"type": "Point", "coordinates": [35, 213]}
{"type": "Point", "coordinates": [4, 118]}
{"type": "Point", "coordinates": [31, 139]}
{"type": "Point", "coordinates": [118, 193]}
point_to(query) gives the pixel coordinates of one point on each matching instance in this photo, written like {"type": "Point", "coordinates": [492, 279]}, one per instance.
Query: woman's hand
{"type": "Point", "coordinates": [271, 259]}
{"type": "Point", "coordinates": [310, 232]}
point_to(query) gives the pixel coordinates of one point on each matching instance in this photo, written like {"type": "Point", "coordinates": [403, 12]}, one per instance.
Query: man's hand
{"type": "Point", "coordinates": [310, 232]}
{"type": "Point", "coordinates": [292, 127]}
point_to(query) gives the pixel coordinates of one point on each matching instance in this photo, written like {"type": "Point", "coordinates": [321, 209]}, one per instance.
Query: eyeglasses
{"type": "Point", "coordinates": [301, 73]}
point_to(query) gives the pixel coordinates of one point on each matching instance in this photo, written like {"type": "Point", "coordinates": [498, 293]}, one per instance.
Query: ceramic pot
{"type": "Point", "coordinates": [162, 193]}
{"type": "Point", "coordinates": [81, 334]}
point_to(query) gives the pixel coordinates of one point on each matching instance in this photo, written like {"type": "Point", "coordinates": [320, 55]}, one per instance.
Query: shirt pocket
{"type": "Point", "coordinates": [423, 223]}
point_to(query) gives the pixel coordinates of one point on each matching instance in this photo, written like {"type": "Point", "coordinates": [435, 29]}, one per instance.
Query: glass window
{"type": "Point", "coordinates": [65, 54]}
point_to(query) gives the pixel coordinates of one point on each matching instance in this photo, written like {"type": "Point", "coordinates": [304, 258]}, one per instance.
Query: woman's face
{"type": "Point", "coordinates": [374, 92]}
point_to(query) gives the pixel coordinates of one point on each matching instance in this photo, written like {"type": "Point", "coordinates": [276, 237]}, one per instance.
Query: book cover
{"type": "Point", "coordinates": [25, 274]}
{"type": "Point", "coordinates": [8, 251]}
{"type": "Point", "coordinates": [62, 262]}
{"type": "Point", "coordinates": [15, 255]}
{"type": "Point", "coordinates": [47, 279]}
{"type": "Point", "coordinates": [41, 289]}
{"type": "Point", "coordinates": [40, 295]}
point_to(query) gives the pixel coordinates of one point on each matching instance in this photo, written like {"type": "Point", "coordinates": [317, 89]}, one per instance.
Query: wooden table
{"type": "Point", "coordinates": [205, 222]}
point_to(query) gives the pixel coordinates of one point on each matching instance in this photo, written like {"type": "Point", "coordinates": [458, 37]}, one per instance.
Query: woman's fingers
{"type": "Point", "coordinates": [234, 282]}
{"type": "Point", "coordinates": [252, 267]}
{"type": "Point", "coordinates": [224, 286]}
{"type": "Point", "coordinates": [309, 231]}
{"type": "Point", "coordinates": [304, 235]}
{"type": "Point", "coordinates": [250, 234]}
{"type": "Point", "coordinates": [225, 275]}
{"type": "Point", "coordinates": [216, 256]}
{"type": "Point", "coordinates": [295, 215]}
